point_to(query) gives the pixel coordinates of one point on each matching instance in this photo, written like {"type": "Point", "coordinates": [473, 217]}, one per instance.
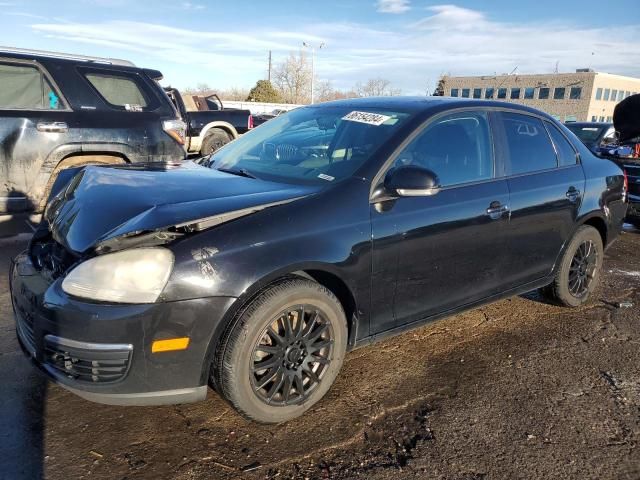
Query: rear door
{"type": "Point", "coordinates": [435, 253]}
{"type": "Point", "coordinates": [35, 120]}
{"type": "Point", "coordinates": [546, 184]}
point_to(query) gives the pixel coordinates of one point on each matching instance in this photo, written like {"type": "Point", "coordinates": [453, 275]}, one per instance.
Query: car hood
{"type": "Point", "coordinates": [103, 203]}
{"type": "Point", "coordinates": [626, 118]}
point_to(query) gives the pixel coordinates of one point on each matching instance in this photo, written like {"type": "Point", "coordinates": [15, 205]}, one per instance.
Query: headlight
{"type": "Point", "coordinates": [130, 276]}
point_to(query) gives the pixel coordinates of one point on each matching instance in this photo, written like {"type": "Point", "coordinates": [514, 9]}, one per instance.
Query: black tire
{"type": "Point", "coordinates": [216, 138]}
{"type": "Point", "coordinates": [579, 272]}
{"type": "Point", "coordinates": [244, 351]}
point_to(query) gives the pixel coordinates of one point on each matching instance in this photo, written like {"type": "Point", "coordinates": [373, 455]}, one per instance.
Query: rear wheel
{"type": "Point", "coordinates": [284, 352]}
{"type": "Point", "coordinates": [216, 138]}
{"type": "Point", "coordinates": [579, 272]}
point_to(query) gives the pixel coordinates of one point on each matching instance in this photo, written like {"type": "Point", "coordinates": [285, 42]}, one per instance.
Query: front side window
{"type": "Point", "coordinates": [566, 153]}
{"type": "Point", "coordinates": [465, 93]}
{"type": "Point", "coordinates": [26, 88]}
{"type": "Point", "coordinates": [311, 145]}
{"type": "Point", "coordinates": [528, 144]}
{"type": "Point", "coordinates": [117, 90]}
{"type": "Point", "coordinates": [477, 93]}
{"type": "Point", "coordinates": [543, 93]}
{"type": "Point", "coordinates": [489, 92]}
{"type": "Point", "coordinates": [454, 92]}
{"type": "Point", "coordinates": [502, 93]}
{"type": "Point", "coordinates": [558, 93]}
{"type": "Point", "coordinates": [599, 94]}
{"type": "Point", "coordinates": [457, 148]}
{"type": "Point", "coordinates": [515, 93]}
{"type": "Point", "coordinates": [575, 93]}
{"type": "Point", "coordinates": [529, 92]}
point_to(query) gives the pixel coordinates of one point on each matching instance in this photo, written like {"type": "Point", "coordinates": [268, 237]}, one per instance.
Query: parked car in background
{"type": "Point", "coordinates": [595, 135]}
{"type": "Point", "coordinates": [59, 110]}
{"type": "Point", "coordinates": [257, 273]}
{"type": "Point", "coordinates": [210, 126]}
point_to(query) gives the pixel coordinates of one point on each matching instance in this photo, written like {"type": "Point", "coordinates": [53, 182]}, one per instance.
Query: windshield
{"type": "Point", "coordinates": [587, 134]}
{"type": "Point", "coordinates": [312, 145]}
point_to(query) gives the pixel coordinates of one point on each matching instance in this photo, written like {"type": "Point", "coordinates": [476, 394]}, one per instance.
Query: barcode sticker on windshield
{"type": "Point", "coordinates": [369, 118]}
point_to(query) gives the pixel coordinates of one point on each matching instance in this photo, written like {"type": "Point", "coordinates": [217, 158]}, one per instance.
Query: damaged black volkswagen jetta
{"type": "Point", "coordinates": [324, 229]}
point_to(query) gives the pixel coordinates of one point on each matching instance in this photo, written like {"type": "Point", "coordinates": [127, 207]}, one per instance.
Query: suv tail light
{"type": "Point", "coordinates": [250, 122]}
{"type": "Point", "coordinates": [176, 129]}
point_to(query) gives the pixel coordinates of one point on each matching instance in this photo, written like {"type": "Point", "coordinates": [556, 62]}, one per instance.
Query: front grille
{"type": "Point", "coordinates": [50, 258]}
{"type": "Point", "coordinates": [633, 177]}
{"type": "Point", "coordinates": [87, 362]}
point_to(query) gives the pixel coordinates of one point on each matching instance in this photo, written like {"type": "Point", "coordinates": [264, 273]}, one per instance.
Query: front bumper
{"type": "Point", "coordinates": [102, 352]}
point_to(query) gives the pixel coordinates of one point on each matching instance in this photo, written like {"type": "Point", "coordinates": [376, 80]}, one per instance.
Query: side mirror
{"type": "Point", "coordinates": [411, 181]}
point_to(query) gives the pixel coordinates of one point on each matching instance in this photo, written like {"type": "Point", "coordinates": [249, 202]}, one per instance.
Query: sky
{"type": "Point", "coordinates": [409, 42]}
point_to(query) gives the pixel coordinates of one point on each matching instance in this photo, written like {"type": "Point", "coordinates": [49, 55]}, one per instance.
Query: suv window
{"type": "Point", "coordinates": [528, 144]}
{"type": "Point", "coordinates": [25, 87]}
{"type": "Point", "coordinates": [118, 90]}
{"type": "Point", "coordinates": [456, 147]}
{"type": "Point", "coordinates": [566, 153]}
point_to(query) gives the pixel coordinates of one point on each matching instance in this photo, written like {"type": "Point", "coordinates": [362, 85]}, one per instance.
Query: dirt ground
{"type": "Point", "coordinates": [517, 389]}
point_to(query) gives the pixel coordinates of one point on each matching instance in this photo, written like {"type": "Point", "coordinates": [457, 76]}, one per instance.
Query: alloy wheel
{"type": "Point", "coordinates": [583, 269]}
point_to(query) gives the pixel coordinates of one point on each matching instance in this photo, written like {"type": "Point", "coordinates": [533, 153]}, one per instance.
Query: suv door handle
{"type": "Point", "coordinates": [55, 127]}
{"type": "Point", "coordinates": [496, 210]}
{"type": "Point", "coordinates": [573, 194]}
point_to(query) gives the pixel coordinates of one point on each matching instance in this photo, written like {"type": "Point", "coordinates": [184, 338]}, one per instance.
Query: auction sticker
{"type": "Point", "coordinates": [369, 118]}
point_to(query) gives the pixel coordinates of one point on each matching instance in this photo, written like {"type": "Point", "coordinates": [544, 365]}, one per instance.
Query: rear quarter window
{"type": "Point", "coordinates": [566, 154]}
{"type": "Point", "coordinates": [119, 90]}
{"type": "Point", "coordinates": [528, 145]}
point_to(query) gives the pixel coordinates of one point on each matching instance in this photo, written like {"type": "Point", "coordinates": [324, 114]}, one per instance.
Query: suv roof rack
{"type": "Point", "coordinates": [67, 56]}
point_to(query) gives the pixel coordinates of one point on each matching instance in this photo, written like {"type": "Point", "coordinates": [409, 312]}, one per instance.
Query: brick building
{"type": "Point", "coordinates": [581, 96]}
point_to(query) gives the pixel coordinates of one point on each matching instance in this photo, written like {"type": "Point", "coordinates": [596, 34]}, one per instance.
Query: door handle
{"type": "Point", "coordinates": [496, 210]}
{"type": "Point", "coordinates": [52, 127]}
{"type": "Point", "coordinates": [573, 194]}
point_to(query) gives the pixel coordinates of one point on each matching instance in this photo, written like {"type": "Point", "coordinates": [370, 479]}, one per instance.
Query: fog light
{"type": "Point", "coordinates": [170, 344]}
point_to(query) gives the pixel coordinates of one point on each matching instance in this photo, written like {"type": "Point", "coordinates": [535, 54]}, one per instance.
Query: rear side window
{"type": "Point", "coordinates": [457, 148]}
{"type": "Point", "coordinates": [566, 153]}
{"type": "Point", "coordinates": [528, 144]}
{"type": "Point", "coordinates": [26, 88]}
{"type": "Point", "coordinates": [117, 90]}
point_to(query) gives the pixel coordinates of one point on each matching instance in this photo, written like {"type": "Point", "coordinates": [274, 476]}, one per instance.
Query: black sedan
{"type": "Point", "coordinates": [323, 230]}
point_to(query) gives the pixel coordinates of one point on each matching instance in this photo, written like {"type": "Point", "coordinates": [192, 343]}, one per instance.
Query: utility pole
{"type": "Point", "coordinates": [313, 70]}
{"type": "Point", "coordinates": [269, 74]}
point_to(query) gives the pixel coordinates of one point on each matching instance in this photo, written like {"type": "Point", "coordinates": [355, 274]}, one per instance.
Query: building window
{"type": "Point", "coordinates": [465, 93]}
{"type": "Point", "coordinates": [606, 94]}
{"type": "Point", "coordinates": [599, 94]}
{"type": "Point", "coordinates": [620, 95]}
{"type": "Point", "coordinates": [558, 93]}
{"type": "Point", "coordinates": [515, 93]}
{"type": "Point", "coordinates": [609, 119]}
{"type": "Point", "coordinates": [502, 93]}
{"type": "Point", "coordinates": [529, 92]}
{"type": "Point", "coordinates": [454, 92]}
{"type": "Point", "coordinates": [614, 95]}
{"type": "Point", "coordinates": [626, 94]}
{"type": "Point", "coordinates": [477, 93]}
{"type": "Point", "coordinates": [575, 93]}
{"type": "Point", "coordinates": [489, 92]}
{"type": "Point", "coordinates": [594, 118]}
{"type": "Point", "coordinates": [602, 119]}
{"type": "Point", "coordinates": [543, 93]}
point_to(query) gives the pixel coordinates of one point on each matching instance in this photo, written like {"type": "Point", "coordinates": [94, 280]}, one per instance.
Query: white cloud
{"type": "Point", "coordinates": [192, 6]}
{"type": "Point", "coordinates": [449, 39]}
{"type": "Point", "coordinates": [392, 6]}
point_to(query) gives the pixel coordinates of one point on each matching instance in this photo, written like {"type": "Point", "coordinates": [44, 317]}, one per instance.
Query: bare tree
{"type": "Point", "coordinates": [292, 78]}
{"type": "Point", "coordinates": [376, 87]}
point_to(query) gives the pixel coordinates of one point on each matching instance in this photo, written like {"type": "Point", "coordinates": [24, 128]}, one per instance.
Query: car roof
{"type": "Point", "coordinates": [69, 58]}
{"type": "Point", "coordinates": [415, 104]}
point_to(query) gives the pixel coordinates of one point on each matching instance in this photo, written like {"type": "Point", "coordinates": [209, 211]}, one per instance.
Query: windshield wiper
{"type": "Point", "coordinates": [242, 172]}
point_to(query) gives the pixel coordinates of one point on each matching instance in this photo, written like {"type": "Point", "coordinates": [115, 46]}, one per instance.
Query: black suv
{"type": "Point", "coordinates": [60, 110]}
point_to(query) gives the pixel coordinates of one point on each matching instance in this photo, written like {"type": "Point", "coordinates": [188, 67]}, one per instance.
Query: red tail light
{"type": "Point", "coordinates": [625, 186]}
{"type": "Point", "coordinates": [250, 122]}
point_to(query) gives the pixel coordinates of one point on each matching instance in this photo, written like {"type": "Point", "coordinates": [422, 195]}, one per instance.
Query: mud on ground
{"type": "Point", "coordinates": [517, 389]}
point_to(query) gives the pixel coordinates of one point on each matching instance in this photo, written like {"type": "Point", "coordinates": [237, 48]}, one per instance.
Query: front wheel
{"type": "Point", "coordinates": [579, 273]}
{"type": "Point", "coordinates": [284, 351]}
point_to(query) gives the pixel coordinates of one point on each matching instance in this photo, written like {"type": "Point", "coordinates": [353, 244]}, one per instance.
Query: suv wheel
{"type": "Point", "coordinates": [579, 272]}
{"type": "Point", "coordinates": [284, 351]}
{"type": "Point", "coordinates": [215, 140]}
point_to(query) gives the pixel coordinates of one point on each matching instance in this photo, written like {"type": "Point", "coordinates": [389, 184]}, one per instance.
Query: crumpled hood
{"type": "Point", "coordinates": [626, 118]}
{"type": "Point", "coordinates": [101, 203]}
